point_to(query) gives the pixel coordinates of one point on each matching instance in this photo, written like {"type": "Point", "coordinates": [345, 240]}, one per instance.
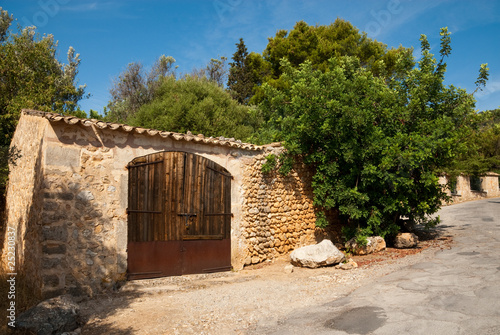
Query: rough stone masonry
{"type": "Point", "coordinates": [67, 199]}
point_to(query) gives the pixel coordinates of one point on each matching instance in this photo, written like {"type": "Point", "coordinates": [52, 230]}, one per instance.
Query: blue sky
{"type": "Point", "coordinates": [109, 34]}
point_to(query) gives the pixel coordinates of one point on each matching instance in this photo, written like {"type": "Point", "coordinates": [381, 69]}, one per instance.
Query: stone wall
{"type": "Point", "coordinates": [463, 192]}
{"type": "Point", "coordinates": [84, 224]}
{"type": "Point", "coordinates": [68, 199]}
{"type": "Point", "coordinates": [24, 205]}
{"type": "Point", "coordinates": [279, 215]}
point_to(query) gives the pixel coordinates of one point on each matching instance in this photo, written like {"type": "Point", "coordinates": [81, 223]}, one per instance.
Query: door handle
{"type": "Point", "coordinates": [187, 216]}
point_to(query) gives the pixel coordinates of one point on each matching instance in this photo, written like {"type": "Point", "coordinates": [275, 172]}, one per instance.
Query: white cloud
{"type": "Point", "coordinates": [81, 7]}
{"type": "Point", "coordinates": [491, 88]}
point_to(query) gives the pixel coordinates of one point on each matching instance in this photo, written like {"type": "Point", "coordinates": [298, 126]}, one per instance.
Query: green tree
{"type": "Point", "coordinates": [135, 87]}
{"type": "Point", "coordinates": [376, 145]}
{"type": "Point", "coordinates": [194, 104]}
{"type": "Point", "coordinates": [318, 44]}
{"type": "Point", "coordinates": [240, 82]}
{"type": "Point", "coordinates": [483, 147]}
{"type": "Point", "coordinates": [32, 77]}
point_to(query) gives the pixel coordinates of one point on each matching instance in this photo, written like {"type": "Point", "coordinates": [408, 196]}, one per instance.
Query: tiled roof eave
{"type": "Point", "coordinates": [72, 120]}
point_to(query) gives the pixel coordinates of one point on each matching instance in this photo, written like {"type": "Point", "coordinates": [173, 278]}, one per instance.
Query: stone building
{"type": "Point", "coordinates": [69, 192]}
{"type": "Point", "coordinates": [467, 188]}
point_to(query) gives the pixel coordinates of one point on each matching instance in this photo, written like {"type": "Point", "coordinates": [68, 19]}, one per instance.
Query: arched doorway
{"type": "Point", "coordinates": [179, 215]}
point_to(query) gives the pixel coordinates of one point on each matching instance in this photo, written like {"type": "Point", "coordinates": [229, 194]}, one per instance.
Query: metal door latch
{"type": "Point", "coordinates": [187, 216]}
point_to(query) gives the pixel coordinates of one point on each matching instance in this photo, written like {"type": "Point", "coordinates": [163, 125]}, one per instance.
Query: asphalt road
{"type": "Point", "coordinates": [456, 292]}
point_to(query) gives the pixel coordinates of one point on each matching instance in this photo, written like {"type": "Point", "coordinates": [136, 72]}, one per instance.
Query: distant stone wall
{"type": "Point", "coordinates": [489, 187]}
{"type": "Point", "coordinates": [279, 215]}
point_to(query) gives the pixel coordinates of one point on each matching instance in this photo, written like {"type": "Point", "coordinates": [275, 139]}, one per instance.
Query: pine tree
{"type": "Point", "coordinates": [240, 81]}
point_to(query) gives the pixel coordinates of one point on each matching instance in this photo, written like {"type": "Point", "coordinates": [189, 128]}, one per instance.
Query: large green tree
{"type": "Point", "coordinates": [32, 77]}
{"type": "Point", "coordinates": [194, 104]}
{"type": "Point", "coordinates": [318, 44]}
{"type": "Point", "coordinates": [376, 144]}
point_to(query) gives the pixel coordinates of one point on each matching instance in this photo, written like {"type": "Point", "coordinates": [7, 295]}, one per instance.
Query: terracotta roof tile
{"type": "Point", "coordinates": [72, 120]}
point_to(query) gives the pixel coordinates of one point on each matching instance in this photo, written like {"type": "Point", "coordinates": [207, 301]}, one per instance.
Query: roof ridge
{"type": "Point", "coordinates": [72, 120]}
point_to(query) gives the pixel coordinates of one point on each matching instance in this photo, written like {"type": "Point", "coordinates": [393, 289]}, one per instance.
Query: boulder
{"type": "Point", "coordinates": [52, 316]}
{"type": "Point", "coordinates": [405, 240]}
{"type": "Point", "coordinates": [314, 256]}
{"type": "Point", "coordinates": [374, 244]}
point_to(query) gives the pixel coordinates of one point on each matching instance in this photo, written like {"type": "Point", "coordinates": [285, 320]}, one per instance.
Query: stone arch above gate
{"type": "Point", "coordinates": [179, 215]}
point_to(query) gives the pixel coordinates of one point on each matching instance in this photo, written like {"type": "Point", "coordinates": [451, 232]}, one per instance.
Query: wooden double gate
{"type": "Point", "coordinates": [179, 215]}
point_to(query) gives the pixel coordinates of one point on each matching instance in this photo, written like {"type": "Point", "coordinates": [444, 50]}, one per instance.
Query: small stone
{"type": "Point", "coordinates": [85, 196]}
{"type": "Point", "coordinates": [254, 210]}
{"type": "Point", "coordinates": [405, 240]}
{"type": "Point", "coordinates": [349, 265]}
{"type": "Point", "coordinates": [373, 244]}
{"type": "Point", "coordinates": [288, 269]}
{"type": "Point", "coordinates": [57, 233]}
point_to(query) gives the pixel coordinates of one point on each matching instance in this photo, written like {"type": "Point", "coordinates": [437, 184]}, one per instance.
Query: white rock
{"type": "Point", "coordinates": [314, 256]}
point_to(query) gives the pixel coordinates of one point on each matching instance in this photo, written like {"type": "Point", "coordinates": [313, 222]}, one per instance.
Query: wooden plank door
{"type": "Point", "coordinates": [207, 215]}
{"type": "Point", "coordinates": [179, 215]}
{"type": "Point", "coordinates": [153, 246]}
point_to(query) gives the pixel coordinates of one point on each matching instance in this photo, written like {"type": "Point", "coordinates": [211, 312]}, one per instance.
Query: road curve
{"type": "Point", "coordinates": [455, 292]}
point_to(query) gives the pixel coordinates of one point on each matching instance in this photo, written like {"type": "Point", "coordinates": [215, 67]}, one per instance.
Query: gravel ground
{"type": "Point", "coordinates": [237, 302]}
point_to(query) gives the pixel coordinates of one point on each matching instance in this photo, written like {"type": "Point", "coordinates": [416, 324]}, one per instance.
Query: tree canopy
{"type": "Point", "coordinates": [376, 144]}
{"type": "Point", "coordinates": [194, 104]}
{"type": "Point", "coordinates": [240, 82]}
{"type": "Point", "coordinates": [314, 44]}
{"type": "Point", "coordinates": [135, 87]}
{"type": "Point", "coordinates": [32, 77]}
{"type": "Point", "coordinates": [318, 44]}
{"type": "Point", "coordinates": [483, 147]}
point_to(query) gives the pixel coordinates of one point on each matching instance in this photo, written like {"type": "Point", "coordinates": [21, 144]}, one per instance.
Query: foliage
{"type": "Point", "coordinates": [317, 44]}
{"type": "Point", "coordinates": [239, 81]}
{"type": "Point", "coordinates": [376, 144]}
{"type": "Point", "coordinates": [8, 155]}
{"type": "Point", "coordinates": [135, 87]}
{"type": "Point", "coordinates": [216, 70]}
{"type": "Point", "coordinates": [270, 164]}
{"type": "Point", "coordinates": [483, 147]}
{"type": "Point", "coordinates": [32, 77]}
{"type": "Point", "coordinates": [194, 104]}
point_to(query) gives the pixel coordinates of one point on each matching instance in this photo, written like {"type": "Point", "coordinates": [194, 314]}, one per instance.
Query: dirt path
{"type": "Point", "coordinates": [236, 302]}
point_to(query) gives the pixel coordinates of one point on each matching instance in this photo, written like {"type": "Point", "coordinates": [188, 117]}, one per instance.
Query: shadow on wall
{"type": "Point", "coordinates": [66, 244]}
